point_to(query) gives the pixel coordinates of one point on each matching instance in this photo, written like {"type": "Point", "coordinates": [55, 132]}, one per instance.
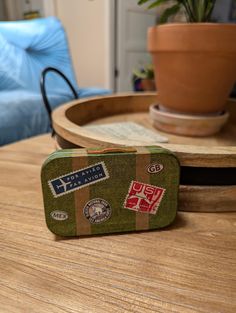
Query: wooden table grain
{"type": "Point", "coordinates": [189, 267]}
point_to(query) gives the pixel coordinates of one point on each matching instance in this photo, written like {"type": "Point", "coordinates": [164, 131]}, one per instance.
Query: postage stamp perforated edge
{"type": "Point", "coordinates": [79, 187]}
{"type": "Point", "coordinates": [157, 204]}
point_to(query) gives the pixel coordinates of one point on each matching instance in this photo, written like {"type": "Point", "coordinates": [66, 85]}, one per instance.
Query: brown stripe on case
{"type": "Point", "coordinates": [83, 226]}
{"type": "Point", "coordinates": [142, 161]}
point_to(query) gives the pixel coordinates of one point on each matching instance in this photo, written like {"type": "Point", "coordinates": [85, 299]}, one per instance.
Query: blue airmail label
{"type": "Point", "coordinates": [78, 179]}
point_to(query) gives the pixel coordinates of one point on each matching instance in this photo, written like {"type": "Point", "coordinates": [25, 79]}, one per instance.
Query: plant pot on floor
{"type": "Point", "coordinates": [148, 84]}
{"type": "Point", "coordinates": [195, 65]}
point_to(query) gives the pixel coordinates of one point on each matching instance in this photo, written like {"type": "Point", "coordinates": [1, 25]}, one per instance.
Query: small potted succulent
{"type": "Point", "coordinates": [195, 61]}
{"type": "Point", "coordinates": [143, 78]}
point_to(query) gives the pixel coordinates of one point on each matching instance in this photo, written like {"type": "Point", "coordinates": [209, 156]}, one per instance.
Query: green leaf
{"type": "Point", "coordinates": [209, 10]}
{"type": "Point", "coordinates": [196, 10]}
{"type": "Point", "coordinates": [200, 10]}
{"type": "Point", "coordinates": [145, 73]}
{"type": "Point", "coordinates": [142, 2]}
{"type": "Point", "coordinates": [157, 3]}
{"type": "Point", "coordinates": [191, 9]}
{"type": "Point", "coordinates": [169, 12]}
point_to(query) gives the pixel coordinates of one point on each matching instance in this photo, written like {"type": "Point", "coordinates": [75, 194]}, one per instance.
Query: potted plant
{"type": "Point", "coordinates": [195, 61]}
{"type": "Point", "coordinates": [143, 78]}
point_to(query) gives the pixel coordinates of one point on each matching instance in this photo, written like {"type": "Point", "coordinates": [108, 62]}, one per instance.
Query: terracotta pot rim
{"type": "Point", "coordinates": [194, 25]}
{"type": "Point", "coordinates": [208, 37]}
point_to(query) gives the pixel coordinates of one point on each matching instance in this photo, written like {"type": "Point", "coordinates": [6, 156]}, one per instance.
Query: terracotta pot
{"type": "Point", "coordinates": [148, 84]}
{"type": "Point", "coordinates": [195, 65]}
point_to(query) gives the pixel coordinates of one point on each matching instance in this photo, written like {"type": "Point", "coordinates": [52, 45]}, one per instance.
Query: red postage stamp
{"type": "Point", "coordinates": [144, 198]}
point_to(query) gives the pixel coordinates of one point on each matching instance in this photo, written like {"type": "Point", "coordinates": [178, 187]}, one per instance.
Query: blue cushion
{"type": "Point", "coordinates": [23, 114]}
{"type": "Point", "coordinates": [27, 47]}
{"type": "Point", "coordinates": [93, 92]}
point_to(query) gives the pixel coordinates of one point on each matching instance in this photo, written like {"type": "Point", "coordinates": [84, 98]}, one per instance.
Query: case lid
{"type": "Point", "coordinates": [98, 191]}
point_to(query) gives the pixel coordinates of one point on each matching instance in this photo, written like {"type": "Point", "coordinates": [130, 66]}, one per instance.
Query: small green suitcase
{"type": "Point", "coordinates": [88, 192]}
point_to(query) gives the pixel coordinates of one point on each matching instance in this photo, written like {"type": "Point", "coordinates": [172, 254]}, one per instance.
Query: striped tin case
{"type": "Point", "coordinates": [88, 192]}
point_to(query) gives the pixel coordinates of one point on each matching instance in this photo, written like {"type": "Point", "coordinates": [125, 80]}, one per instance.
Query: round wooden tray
{"type": "Point", "coordinates": [208, 165]}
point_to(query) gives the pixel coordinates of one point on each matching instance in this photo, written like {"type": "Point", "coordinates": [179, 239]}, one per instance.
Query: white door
{"type": "Point", "coordinates": [132, 22]}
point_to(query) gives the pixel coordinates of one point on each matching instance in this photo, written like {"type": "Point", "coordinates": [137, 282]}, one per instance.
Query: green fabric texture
{"type": "Point", "coordinates": [168, 179]}
{"type": "Point", "coordinates": [122, 169]}
{"type": "Point", "coordinates": [114, 192]}
{"type": "Point", "coordinates": [53, 167]}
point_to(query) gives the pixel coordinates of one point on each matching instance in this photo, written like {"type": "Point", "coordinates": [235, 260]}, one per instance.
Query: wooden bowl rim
{"type": "Point", "coordinates": [82, 137]}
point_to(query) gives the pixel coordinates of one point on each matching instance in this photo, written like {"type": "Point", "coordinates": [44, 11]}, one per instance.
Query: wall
{"type": "Point", "coordinates": [87, 23]}
{"type": "Point", "coordinates": [222, 10]}
{"type": "Point", "coordinates": [16, 8]}
{"type": "Point", "coordinates": [36, 5]}
{"type": "Point", "coordinates": [87, 26]}
{"type": "Point", "coordinates": [2, 10]}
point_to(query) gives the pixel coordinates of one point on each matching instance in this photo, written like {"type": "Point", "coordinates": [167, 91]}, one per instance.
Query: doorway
{"type": "Point", "coordinates": [131, 27]}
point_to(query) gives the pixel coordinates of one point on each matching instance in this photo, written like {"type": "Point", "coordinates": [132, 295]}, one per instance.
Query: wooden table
{"type": "Point", "coordinates": [189, 267]}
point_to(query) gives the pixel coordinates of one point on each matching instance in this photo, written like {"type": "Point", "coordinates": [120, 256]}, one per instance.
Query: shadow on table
{"type": "Point", "coordinates": [178, 223]}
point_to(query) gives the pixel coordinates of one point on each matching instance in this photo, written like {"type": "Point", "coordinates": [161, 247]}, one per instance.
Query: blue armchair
{"type": "Point", "coordinates": [26, 48]}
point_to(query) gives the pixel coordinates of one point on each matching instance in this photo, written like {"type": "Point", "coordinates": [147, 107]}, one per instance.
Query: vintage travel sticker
{"type": "Point", "coordinates": [144, 198]}
{"type": "Point", "coordinates": [59, 215]}
{"type": "Point", "coordinates": [97, 211]}
{"type": "Point", "coordinates": [78, 179]}
{"type": "Point", "coordinates": [155, 168]}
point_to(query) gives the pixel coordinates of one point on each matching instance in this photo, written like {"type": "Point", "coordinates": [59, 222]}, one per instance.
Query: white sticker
{"type": "Point", "coordinates": [76, 180]}
{"type": "Point", "coordinates": [59, 215]}
{"type": "Point", "coordinates": [155, 168]}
